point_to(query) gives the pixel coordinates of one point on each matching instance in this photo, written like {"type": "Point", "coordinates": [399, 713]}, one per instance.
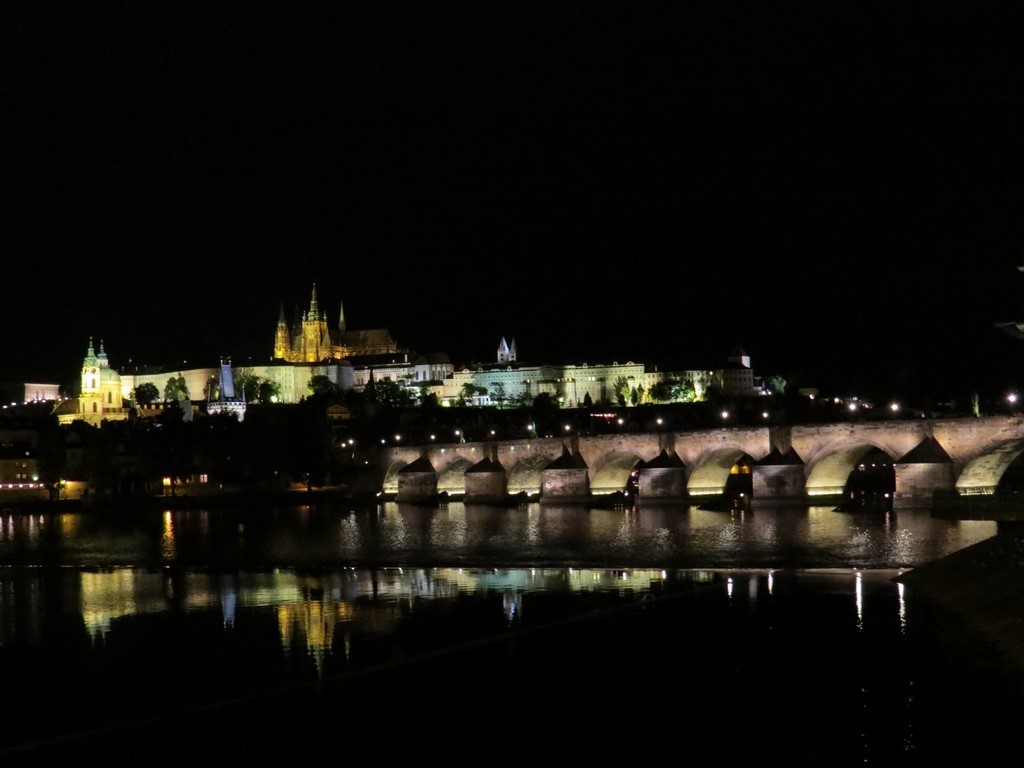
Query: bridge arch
{"type": "Point", "coordinates": [710, 474]}
{"type": "Point", "coordinates": [390, 484]}
{"type": "Point", "coordinates": [982, 474]}
{"type": "Point", "coordinates": [525, 475]}
{"type": "Point", "coordinates": [452, 477]}
{"type": "Point", "coordinates": [828, 470]}
{"type": "Point", "coordinates": [611, 473]}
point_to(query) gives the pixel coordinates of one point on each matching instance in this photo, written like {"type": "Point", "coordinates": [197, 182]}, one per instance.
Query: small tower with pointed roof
{"type": "Point", "coordinates": [506, 354]}
{"type": "Point", "coordinates": [282, 339]}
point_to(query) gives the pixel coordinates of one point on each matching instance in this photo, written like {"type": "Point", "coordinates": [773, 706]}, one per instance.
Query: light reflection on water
{"type": "Point", "coordinates": [834, 650]}
{"type": "Point", "coordinates": [133, 615]}
{"type": "Point", "coordinates": [478, 535]}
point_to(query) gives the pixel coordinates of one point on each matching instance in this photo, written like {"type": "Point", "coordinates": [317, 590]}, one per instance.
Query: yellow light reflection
{"type": "Point", "coordinates": [167, 547]}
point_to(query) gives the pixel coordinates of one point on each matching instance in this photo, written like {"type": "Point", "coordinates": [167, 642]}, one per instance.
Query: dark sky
{"type": "Point", "coordinates": [837, 187]}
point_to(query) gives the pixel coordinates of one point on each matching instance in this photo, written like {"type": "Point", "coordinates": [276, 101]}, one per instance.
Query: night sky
{"type": "Point", "coordinates": [836, 187]}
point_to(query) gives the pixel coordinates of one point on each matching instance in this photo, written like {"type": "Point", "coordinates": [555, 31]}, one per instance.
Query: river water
{"type": "Point", "coordinates": [488, 634]}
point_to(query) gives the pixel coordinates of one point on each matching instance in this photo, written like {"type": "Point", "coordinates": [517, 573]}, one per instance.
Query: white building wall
{"type": "Point", "coordinates": [41, 392]}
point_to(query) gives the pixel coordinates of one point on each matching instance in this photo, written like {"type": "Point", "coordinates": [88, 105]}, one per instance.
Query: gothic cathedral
{"type": "Point", "coordinates": [310, 339]}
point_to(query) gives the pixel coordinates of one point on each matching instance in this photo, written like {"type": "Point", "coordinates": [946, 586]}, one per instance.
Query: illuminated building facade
{"type": "Point", "coordinates": [311, 339]}
{"type": "Point", "coordinates": [100, 396]}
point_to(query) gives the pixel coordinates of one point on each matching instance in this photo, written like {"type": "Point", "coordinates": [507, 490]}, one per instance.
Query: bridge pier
{"type": "Point", "coordinates": [921, 472]}
{"type": "Point", "coordinates": [417, 481]}
{"type": "Point", "coordinates": [486, 481]}
{"type": "Point", "coordinates": [779, 478]}
{"type": "Point", "coordinates": [565, 480]}
{"type": "Point", "coordinates": [662, 478]}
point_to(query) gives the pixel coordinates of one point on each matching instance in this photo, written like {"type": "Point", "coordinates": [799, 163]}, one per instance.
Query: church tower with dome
{"type": "Point", "coordinates": [100, 395]}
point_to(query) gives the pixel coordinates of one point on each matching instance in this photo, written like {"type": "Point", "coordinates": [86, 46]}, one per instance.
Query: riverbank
{"type": "Point", "coordinates": [983, 585]}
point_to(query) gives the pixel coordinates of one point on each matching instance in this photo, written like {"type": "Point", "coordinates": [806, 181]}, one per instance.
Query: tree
{"type": "Point", "coordinates": [466, 394]}
{"type": "Point", "coordinates": [268, 390]}
{"type": "Point", "coordinates": [622, 390]}
{"type": "Point", "coordinates": [545, 414]}
{"type": "Point", "coordinates": [146, 393]}
{"type": "Point", "coordinates": [661, 391]}
{"type": "Point", "coordinates": [499, 394]}
{"type": "Point", "coordinates": [522, 400]}
{"type": "Point", "coordinates": [176, 389]}
{"type": "Point", "coordinates": [428, 398]}
{"type": "Point", "coordinates": [321, 385]}
{"type": "Point", "coordinates": [391, 394]}
{"type": "Point", "coordinates": [247, 384]}
{"type": "Point", "coordinates": [777, 384]}
{"type": "Point", "coordinates": [683, 392]}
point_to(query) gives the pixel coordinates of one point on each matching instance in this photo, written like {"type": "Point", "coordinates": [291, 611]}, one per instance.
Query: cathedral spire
{"type": "Point", "coordinates": [314, 306]}
{"type": "Point", "coordinates": [341, 318]}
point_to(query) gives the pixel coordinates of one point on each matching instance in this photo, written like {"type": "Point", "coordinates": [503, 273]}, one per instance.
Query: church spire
{"type": "Point", "coordinates": [341, 318]}
{"type": "Point", "coordinates": [314, 306]}
{"type": "Point", "coordinates": [90, 354]}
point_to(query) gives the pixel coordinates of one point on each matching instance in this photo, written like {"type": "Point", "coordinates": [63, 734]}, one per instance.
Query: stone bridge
{"type": "Point", "coordinates": [966, 455]}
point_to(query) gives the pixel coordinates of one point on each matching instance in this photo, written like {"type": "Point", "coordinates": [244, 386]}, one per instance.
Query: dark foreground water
{"type": "Point", "coordinates": [486, 635]}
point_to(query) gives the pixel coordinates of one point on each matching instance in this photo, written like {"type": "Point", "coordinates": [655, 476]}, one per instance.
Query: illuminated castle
{"type": "Point", "coordinates": [310, 339]}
